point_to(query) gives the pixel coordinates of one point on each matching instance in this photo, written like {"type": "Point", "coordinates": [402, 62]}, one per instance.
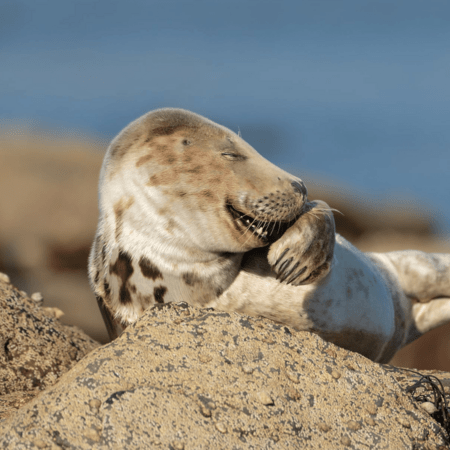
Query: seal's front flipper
{"type": "Point", "coordinates": [305, 251]}
{"type": "Point", "coordinates": [113, 327]}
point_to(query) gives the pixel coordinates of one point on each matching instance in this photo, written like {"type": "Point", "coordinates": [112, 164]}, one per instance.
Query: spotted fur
{"type": "Point", "coordinates": [190, 212]}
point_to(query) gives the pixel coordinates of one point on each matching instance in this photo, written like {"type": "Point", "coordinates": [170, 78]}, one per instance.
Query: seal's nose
{"type": "Point", "coordinates": [299, 188]}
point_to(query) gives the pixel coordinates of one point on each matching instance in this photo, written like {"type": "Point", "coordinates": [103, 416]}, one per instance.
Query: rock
{"type": "Point", "coordinates": [43, 246]}
{"type": "Point", "coordinates": [429, 407]}
{"type": "Point", "coordinates": [149, 387]}
{"type": "Point", "coordinates": [35, 348]}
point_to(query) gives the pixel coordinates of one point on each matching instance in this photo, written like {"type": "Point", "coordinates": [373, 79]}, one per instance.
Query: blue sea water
{"type": "Point", "coordinates": [355, 91]}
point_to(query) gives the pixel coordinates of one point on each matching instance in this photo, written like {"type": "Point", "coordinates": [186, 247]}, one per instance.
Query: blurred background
{"type": "Point", "coordinates": [352, 96]}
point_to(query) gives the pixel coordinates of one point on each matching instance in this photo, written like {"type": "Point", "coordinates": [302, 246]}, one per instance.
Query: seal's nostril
{"type": "Point", "coordinates": [299, 188]}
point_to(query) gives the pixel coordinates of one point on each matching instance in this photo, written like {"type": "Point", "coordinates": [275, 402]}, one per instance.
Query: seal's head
{"type": "Point", "coordinates": [187, 182]}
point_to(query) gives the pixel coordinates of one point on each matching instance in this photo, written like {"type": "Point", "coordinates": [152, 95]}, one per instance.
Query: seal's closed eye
{"type": "Point", "coordinates": [233, 156]}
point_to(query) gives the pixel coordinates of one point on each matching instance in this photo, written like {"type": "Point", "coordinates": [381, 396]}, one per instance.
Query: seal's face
{"type": "Point", "coordinates": [205, 182]}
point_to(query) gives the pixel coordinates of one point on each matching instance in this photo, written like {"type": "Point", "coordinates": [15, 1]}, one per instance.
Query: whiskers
{"type": "Point", "coordinates": [320, 208]}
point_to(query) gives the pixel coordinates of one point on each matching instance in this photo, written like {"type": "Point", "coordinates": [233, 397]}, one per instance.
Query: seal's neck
{"type": "Point", "coordinates": [131, 275]}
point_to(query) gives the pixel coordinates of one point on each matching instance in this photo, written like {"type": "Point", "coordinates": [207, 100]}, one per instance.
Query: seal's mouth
{"type": "Point", "coordinates": [265, 231]}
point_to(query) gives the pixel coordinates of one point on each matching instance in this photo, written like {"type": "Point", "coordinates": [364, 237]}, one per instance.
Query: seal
{"type": "Point", "coordinates": [191, 212]}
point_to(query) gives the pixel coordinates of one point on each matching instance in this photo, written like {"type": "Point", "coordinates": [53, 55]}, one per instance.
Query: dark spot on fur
{"type": "Point", "coordinates": [106, 288]}
{"type": "Point", "coordinates": [149, 270]}
{"type": "Point", "coordinates": [219, 291]}
{"type": "Point", "coordinates": [166, 130]}
{"type": "Point", "coordinates": [196, 169]}
{"type": "Point", "coordinates": [97, 274]}
{"type": "Point", "coordinates": [119, 150]}
{"type": "Point", "coordinates": [143, 159]}
{"type": "Point", "coordinates": [159, 293]}
{"type": "Point", "coordinates": [165, 177]}
{"type": "Point", "coordinates": [190, 279]}
{"type": "Point", "coordinates": [124, 295]}
{"type": "Point", "coordinates": [123, 268]}
{"type": "Point", "coordinates": [207, 193]}
{"type": "Point", "coordinates": [119, 208]}
{"type": "Point", "coordinates": [171, 225]}
{"type": "Point", "coordinates": [186, 142]}
{"type": "Point", "coordinates": [104, 255]}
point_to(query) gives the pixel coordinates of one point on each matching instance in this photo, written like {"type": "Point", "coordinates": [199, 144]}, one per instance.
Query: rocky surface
{"type": "Point", "coordinates": [183, 378]}
{"type": "Point", "coordinates": [35, 348]}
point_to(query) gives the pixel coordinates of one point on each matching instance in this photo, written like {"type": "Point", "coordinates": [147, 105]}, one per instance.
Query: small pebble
{"type": "Point", "coordinates": [205, 358]}
{"type": "Point", "coordinates": [95, 403]}
{"type": "Point", "coordinates": [403, 422]}
{"type": "Point", "coordinates": [206, 412]}
{"type": "Point", "coordinates": [39, 443]}
{"type": "Point", "coordinates": [4, 278]}
{"type": "Point", "coordinates": [221, 427]}
{"type": "Point", "coordinates": [178, 445]}
{"type": "Point", "coordinates": [294, 394]}
{"type": "Point", "coordinates": [73, 354]}
{"type": "Point", "coordinates": [428, 407]}
{"type": "Point", "coordinates": [23, 293]}
{"type": "Point", "coordinates": [265, 398]}
{"type": "Point", "coordinates": [275, 437]}
{"type": "Point", "coordinates": [353, 425]}
{"type": "Point", "coordinates": [371, 408]}
{"type": "Point", "coordinates": [331, 353]}
{"type": "Point", "coordinates": [370, 421]}
{"type": "Point", "coordinates": [294, 377]}
{"type": "Point", "coordinates": [335, 374]}
{"type": "Point", "coordinates": [322, 426]}
{"type": "Point", "coordinates": [54, 312]}
{"type": "Point", "coordinates": [247, 369]}
{"type": "Point", "coordinates": [345, 440]}
{"type": "Point", "coordinates": [92, 435]}
{"type": "Point", "coordinates": [37, 297]}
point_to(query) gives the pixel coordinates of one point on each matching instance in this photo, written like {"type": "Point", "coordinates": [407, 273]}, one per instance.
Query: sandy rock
{"type": "Point", "coordinates": [184, 378]}
{"type": "Point", "coordinates": [35, 348]}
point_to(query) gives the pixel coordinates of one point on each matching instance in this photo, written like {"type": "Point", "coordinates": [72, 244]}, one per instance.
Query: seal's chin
{"type": "Point", "coordinates": [265, 231]}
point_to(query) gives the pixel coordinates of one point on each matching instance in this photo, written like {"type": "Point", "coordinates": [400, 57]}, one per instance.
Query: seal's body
{"type": "Point", "coordinates": [191, 212]}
